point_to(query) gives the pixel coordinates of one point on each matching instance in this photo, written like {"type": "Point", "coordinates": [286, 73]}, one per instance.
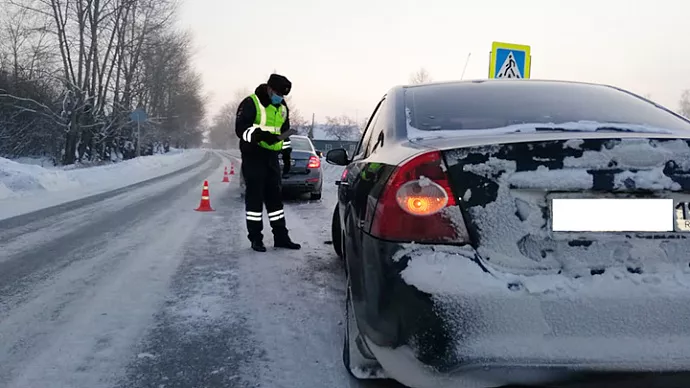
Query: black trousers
{"type": "Point", "coordinates": [262, 179]}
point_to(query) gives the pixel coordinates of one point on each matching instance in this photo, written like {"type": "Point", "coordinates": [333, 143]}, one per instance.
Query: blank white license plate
{"type": "Point", "coordinates": [612, 215]}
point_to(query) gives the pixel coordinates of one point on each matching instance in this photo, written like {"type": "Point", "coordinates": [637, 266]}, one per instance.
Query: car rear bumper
{"type": "Point", "coordinates": [302, 183]}
{"type": "Point", "coordinates": [447, 318]}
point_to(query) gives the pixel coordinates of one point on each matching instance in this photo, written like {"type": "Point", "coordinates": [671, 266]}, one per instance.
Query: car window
{"type": "Point", "coordinates": [301, 144]}
{"type": "Point", "coordinates": [488, 105]}
{"type": "Point", "coordinates": [364, 140]}
{"type": "Point", "coordinates": [374, 140]}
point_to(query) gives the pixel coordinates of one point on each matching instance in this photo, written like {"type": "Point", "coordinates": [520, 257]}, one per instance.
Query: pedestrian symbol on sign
{"type": "Point", "coordinates": [509, 60]}
{"type": "Point", "coordinates": [509, 68]}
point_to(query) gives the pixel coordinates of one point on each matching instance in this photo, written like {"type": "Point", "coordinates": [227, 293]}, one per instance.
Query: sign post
{"type": "Point", "coordinates": [138, 115]}
{"type": "Point", "coordinates": [510, 60]}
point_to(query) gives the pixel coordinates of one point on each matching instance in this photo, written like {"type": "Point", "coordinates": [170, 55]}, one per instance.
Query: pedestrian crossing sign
{"type": "Point", "coordinates": [509, 60]}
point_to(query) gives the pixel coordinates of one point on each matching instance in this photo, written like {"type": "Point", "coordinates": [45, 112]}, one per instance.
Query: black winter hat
{"type": "Point", "coordinates": [279, 84]}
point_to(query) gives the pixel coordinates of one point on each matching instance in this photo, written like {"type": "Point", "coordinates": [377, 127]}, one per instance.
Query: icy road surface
{"type": "Point", "coordinates": [132, 288]}
{"type": "Point", "coordinates": [135, 289]}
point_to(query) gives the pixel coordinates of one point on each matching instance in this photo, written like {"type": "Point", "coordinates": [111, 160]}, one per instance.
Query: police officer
{"type": "Point", "coordinates": [261, 118]}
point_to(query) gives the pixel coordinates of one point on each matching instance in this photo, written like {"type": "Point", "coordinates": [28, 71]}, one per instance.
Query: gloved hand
{"type": "Point", "coordinates": [269, 138]}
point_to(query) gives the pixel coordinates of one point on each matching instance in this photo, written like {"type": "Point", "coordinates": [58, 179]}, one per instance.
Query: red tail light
{"type": "Point", "coordinates": [314, 162]}
{"type": "Point", "coordinates": [417, 204]}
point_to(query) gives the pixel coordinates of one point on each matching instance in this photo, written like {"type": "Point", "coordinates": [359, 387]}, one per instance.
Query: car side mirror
{"type": "Point", "coordinates": [338, 157]}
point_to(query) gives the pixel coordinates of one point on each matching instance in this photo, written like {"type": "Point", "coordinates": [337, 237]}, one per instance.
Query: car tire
{"type": "Point", "coordinates": [346, 337]}
{"type": "Point", "coordinates": [315, 196]}
{"type": "Point", "coordinates": [336, 233]}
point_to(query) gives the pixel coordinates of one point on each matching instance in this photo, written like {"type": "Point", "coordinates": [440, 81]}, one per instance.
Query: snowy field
{"type": "Point", "coordinates": [138, 290]}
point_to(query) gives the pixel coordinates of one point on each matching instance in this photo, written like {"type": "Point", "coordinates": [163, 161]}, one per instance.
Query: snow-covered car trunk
{"type": "Point", "coordinates": [522, 295]}
{"type": "Point", "coordinates": [507, 192]}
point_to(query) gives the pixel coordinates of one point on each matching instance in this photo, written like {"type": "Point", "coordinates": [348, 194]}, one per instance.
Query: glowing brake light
{"type": "Point", "coordinates": [417, 204]}
{"type": "Point", "coordinates": [314, 162]}
{"type": "Point", "coordinates": [422, 197]}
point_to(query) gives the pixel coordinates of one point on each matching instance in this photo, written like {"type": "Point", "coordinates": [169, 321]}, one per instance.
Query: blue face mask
{"type": "Point", "coordinates": [276, 99]}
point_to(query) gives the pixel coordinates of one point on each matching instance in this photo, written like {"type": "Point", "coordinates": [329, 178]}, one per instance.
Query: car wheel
{"type": "Point", "coordinates": [336, 235]}
{"type": "Point", "coordinates": [347, 341]}
{"type": "Point", "coordinates": [315, 196]}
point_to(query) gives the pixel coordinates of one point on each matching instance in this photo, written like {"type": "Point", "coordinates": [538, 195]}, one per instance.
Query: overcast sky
{"type": "Point", "coordinates": [342, 56]}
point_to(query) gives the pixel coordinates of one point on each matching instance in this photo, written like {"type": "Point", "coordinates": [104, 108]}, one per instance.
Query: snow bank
{"type": "Point", "coordinates": [29, 187]}
{"type": "Point", "coordinates": [18, 179]}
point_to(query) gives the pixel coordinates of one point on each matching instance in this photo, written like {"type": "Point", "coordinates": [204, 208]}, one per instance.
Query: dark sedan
{"type": "Point", "coordinates": [491, 228]}
{"type": "Point", "coordinates": [305, 175]}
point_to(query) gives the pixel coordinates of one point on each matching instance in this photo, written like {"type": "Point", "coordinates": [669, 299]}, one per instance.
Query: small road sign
{"type": "Point", "coordinates": [509, 60]}
{"type": "Point", "coordinates": [138, 115]}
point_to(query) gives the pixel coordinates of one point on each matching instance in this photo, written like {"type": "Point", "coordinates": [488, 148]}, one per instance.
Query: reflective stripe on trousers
{"type": "Point", "coordinates": [272, 216]}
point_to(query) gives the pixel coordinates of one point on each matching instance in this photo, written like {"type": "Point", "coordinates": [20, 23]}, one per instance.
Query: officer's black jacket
{"type": "Point", "coordinates": [246, 113]}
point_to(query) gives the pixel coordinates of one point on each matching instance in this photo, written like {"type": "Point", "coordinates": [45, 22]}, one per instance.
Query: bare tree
{"type": "Point", "coordinates": [222, 132]}
{"type": "Point", "coordinates": [297, 121]}
{"type": "Point", "coordinates": [84, 65]}
{"type": "Point", "coordinates": [362, 124]}
{"type": "Point", "coordinates": [341, 127]}
{"type": "Point", "coordinates": [421, 76]}
{"type": "Point", "coordinates": [684, 104]}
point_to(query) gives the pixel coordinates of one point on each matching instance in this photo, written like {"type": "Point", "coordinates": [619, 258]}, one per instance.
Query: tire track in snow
{"type": "Point", "coordinates": [244, 319]}
{"type": "Point", "coordinates": [76, 328]}
{"type": "Point", "coordinates": [295, 300]}
{"type": "Point", "coordinates": [202, 338]}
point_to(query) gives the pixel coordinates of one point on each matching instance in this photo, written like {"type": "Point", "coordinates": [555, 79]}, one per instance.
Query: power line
{"type": "Point", "coordinates": [465, 68]}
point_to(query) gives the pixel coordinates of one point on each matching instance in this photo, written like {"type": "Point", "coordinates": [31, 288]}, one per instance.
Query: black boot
{"type": "Point", "coordinates": [258, 246]}
{"type": "Point", "coordinates": [285, 242]}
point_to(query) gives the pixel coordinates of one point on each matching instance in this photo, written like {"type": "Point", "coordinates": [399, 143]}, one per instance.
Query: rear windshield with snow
{"type": "Point", "coordinates": [301, 144]}
{"type": "Point", "coordinates": [464, 106]}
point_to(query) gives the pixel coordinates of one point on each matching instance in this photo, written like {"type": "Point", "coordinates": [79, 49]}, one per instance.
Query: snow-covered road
{"type": "Point", "coordinates": [133, 288]}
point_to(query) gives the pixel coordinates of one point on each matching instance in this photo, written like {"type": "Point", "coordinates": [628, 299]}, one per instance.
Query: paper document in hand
{"type": "Point", "coordinates": [287, 134]}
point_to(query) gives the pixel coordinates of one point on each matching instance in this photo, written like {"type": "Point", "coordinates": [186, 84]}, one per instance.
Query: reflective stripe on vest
{"type": "Point", "coordinates": [268, 119]}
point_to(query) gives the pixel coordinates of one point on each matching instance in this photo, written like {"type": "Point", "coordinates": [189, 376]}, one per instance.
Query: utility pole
{"type": "Point", "coordinates": [138, 139]}
{"type": "Point", "coordinates": [311, 130]}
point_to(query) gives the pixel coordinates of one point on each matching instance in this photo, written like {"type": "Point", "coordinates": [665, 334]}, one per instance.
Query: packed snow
{"type": "Point", "coordinates": [29, 187]}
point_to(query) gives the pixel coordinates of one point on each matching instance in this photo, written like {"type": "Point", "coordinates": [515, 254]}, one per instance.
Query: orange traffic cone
{"type": "Point", "coordinates": [226, 179]}
{"type": "Point", "coordinates": [232, 169]}
{"type": "Point", "coordinates": [205, 205]}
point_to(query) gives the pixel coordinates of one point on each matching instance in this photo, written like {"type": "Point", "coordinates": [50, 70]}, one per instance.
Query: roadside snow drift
{"type": "Point", "coordinates": [25, 188]}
